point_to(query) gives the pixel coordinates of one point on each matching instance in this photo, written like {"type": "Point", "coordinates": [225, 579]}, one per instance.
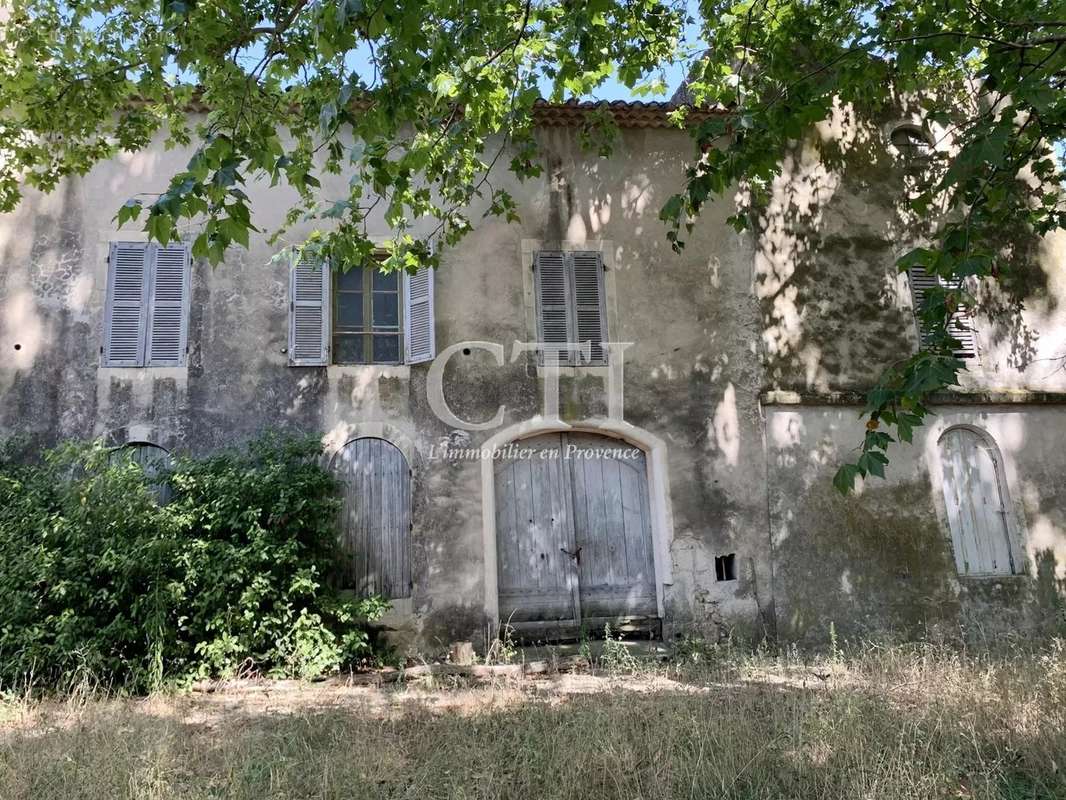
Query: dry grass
{"type": "Point", "coordinates": [920, 722]}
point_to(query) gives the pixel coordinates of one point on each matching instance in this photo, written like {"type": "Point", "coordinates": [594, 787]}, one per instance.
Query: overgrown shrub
{"type": "Point", "coordinates": [231, 576]}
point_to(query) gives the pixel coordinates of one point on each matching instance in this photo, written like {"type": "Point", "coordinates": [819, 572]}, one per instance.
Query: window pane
{"type": "Point", "coordinates": [387, 349]}
{"type": "Point", "coordinates": [383, 281]}
{"type": "Point", "coordinates": [351, 280]}
{"type": "Point", "coordinates": [349, 349]}
{"type": "Point", "coordinates": [349, 310]}
{"type": "Point", "coordinates": [386, 310]}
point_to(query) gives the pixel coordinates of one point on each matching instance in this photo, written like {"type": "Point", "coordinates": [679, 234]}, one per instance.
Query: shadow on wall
{"type": "Point", "coordinates": [692, 369]}
{"type": "Point", "coordinates": [47, 334]}
{"type": "Point", "coordinates": [825, 276]}
{"type": "Point", "coordinates": [1050, 591]}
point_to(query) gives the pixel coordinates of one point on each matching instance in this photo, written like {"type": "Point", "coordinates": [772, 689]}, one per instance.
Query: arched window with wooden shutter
{"type": "Point", "coordinates": [154, 461]}
{"type": "Point", "coordinates": [375, 525]}
{"type": "Point", "coordinates": [975, 498]}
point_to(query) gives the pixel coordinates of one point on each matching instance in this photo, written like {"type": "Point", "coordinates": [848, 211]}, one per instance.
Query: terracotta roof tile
{"type": "Point", "coordinates": [626, 113]}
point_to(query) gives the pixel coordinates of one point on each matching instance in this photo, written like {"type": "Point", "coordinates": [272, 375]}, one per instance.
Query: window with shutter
{"type": "Point", "coordinates": [154, 461]}
{"type": "Point", "coordinates": [553, 305]}
{"type": "Point", "coordinates": [571, 305]}
{"type": "Point", "coordinates": [360, 315]}
{"type": "Point", "coordinates": [961, 323]}
{"type": "Point", "coordinates": [418, 306]}
{"type": "Point", "coordinates": [309, 314]}
{"type": "Point", "coordinates": [147, 309]}
{"type": "Point", "coordinates": [168, 310]}
{"type": "Point", "coordinates": [590, 306]}
{"type": "Point", "coordinates": [127, 304]}
{"type": "Point", "coordinates": [367, 325]}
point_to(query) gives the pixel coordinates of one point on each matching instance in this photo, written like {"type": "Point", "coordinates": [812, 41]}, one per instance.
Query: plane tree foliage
{"type": "Point", "coordinates": [422, 104]}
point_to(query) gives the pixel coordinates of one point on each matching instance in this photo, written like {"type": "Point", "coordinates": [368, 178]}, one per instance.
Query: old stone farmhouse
{"type": "Point", "coordinates": [684, 483]}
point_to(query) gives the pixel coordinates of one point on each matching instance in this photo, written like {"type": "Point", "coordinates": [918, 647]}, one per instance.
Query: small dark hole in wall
{"type": "Point", "coordinates": [725, 567]}
{"type": "Point", "coordinates": [18, 346]}
{"type": "Point", "coordinates": [466, 351]}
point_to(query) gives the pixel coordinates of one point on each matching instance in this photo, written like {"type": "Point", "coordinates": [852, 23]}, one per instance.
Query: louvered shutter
{"type": "Point", "coordinates": [961, 323]}
{"type": "Point", "coordinates": [309, 314]}
{"type": "Point", "coordinates": [127, 304]}
{"type": "Point", "coordinates": [590, 305]}
{"type": "Point", "coordinates": [553, 303]}
{"type": "Point", "coordinates": [420, 342]}
{"type": "Point", "coordinates": [168, 311]}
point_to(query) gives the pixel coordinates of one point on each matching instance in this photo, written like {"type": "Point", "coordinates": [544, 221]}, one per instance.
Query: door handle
{"type": "Point", "coordinates": [574, 556]}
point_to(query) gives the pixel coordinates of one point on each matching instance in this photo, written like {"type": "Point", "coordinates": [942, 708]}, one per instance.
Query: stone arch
{"type": "Point", "coordinates": [166, 438]}
{"type": "Point", "coordinates": [345, 432]}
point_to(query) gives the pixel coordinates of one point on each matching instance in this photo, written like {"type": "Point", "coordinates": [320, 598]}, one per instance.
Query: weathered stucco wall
{"type": "Point", "coordinates": [691, 374]}
{"type": "Point", "coordinates": [883, 560]}
{"type": "Point", "coordinates": [834, 309]}
{"type": "Point", "coordinates": [809, 302]}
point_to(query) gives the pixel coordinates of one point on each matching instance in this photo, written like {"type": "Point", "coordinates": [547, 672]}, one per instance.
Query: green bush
{"type": "Point", "coordinates": [231, 576]}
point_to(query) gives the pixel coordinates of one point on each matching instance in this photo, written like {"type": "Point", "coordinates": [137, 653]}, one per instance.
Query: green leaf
{"type": "Point", "coordinates": [918, 257]}
{"type": "Point", "coordinates": [671, 210]}
{"type": "Point", "coordinates": [129, 211]}
{"type": "Point", "coordinates": [444, 85]}
{"type": "Point", "coordinates": [844, 479]}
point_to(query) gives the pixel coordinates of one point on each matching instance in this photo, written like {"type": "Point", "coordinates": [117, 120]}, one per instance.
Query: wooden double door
{"type": "Point", "coordinates": [573, 534]}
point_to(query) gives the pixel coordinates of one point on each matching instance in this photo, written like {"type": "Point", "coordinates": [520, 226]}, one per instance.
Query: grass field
{"type": "Point", "coordinates": [881, 723]}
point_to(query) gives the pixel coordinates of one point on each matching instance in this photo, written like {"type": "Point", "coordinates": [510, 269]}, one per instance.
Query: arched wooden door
{"type": "Point", "coordinates": [976, 502]}
{"type": "Point", "coordinates": [153, 460]}
{"type": "Point", "coordinates": [375, 524]}
{"type": "Point", "coordinates": [573, 533]}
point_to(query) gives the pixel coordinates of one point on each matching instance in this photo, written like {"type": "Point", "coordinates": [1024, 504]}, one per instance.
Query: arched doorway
{"type": "Point", "coordinates": [975, 497]}
{"type": "Point", "coordinates": [375, 524]}
{"type": "Point", "coordinates": [573, 535]}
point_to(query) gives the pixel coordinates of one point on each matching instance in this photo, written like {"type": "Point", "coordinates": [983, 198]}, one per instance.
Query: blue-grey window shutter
{"type": "Point", "coordinates": [590, 304]}
{"type": "Point", "coordinates": [126, 309]}
{"type": "Point", "coordinates": [168, 308]}
{"type": "Point", "coordinates": [309, 326]}
{"type": "Point", "coordinates": [553, 291]}
{"type": "Point", "coordinates": [961, 323]}
{"type": "Point", "coordinates": [420, 339]}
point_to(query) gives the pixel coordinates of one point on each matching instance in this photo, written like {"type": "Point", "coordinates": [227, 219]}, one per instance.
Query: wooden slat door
{"type": "Point", "coordinates": [375, 518]}
{"type": "Point", "coordinates": [153, 460]}
{"type": "Point", "coordinates": [573, 533]}
{"type": "Point", "coordinates": [976, 505]}
{"type": "Point", "coordinates": [534, 526]}
{"type": "Point", "coordinates": [612, 527]}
